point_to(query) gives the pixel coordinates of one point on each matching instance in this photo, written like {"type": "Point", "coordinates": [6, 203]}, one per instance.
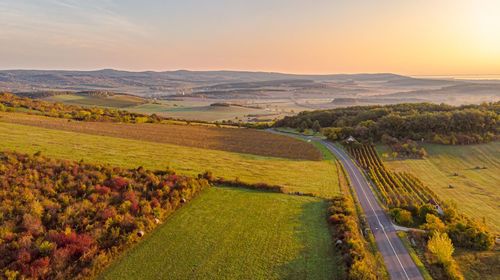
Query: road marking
{"type": "Point", "coordinates": [369, 202]}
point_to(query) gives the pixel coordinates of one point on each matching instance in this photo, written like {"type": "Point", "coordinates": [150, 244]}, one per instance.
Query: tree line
{"type": "Point", "coordinates": [437, 123]}
{"type": "Point", "coordinates": [25, 103]}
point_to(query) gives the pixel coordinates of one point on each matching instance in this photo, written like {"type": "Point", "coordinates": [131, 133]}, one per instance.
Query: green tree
{"type": "Point", "coordinates": [316, 126]}
{"type": "Point", "coordinates": [303, 126]}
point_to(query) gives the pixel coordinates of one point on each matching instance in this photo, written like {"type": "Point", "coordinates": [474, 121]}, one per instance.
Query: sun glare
{"type": "Point", "coordinates": [486, 25]}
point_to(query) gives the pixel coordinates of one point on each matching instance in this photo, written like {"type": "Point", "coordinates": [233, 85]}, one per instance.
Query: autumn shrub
{"type": "Point", "coordinates": [61, 219]}
{"type": "Point", "coordinates": [238, 183]}
{"type": "Point", "coordinates": [441, 248]}
{"type": "Point", "coordinates": [402, 216]}
{"type": "Point", "coordinates": [79, 113]}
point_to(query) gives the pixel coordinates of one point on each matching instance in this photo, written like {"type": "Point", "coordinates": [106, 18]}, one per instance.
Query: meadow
{"type": "Point", "coordinates": [317, 177]}
{"type": "Point", "coordinates": [228, 233]}
{"type": "Point", "coordinates": [468, 175]}
{"type": "Point", "coordinates": [116, 101]}
{"type": "Point", "coordinates": [248, 141]}
{"type": "Point", "coordinates": [181, 109]}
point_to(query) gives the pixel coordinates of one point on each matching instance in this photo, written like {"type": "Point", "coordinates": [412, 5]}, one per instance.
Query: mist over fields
{"type": "Point", "coordinates": [308, 91]}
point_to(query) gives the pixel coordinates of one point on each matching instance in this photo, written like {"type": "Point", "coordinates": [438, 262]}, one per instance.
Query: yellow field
{"type": "Point", "coordinates": [475, 189]}
{"type": "Point", "coordinates": [318, 177]}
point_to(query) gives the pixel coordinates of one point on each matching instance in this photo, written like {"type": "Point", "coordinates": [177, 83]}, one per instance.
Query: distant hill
{"type": "Point", "coordinates": [364, 88]}
{"type": "Point", "coordinates": [169, 82]}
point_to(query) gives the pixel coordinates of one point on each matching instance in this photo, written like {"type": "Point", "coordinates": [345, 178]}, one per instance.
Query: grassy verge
{"type": "Point", "coordinates": [414, 256]}
{"type": "Point", "coordinates": [317, 177]}
{"type": "Point", "coordinates": [228, 233]}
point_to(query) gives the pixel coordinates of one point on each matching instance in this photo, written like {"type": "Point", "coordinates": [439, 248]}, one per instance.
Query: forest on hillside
{"type": "Point", "coordinates": [436, 123]}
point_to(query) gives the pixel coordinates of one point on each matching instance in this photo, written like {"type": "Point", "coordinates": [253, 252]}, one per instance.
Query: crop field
{"type": "Point", "coordinates": [116, 101]}
{"type": "Point", "coordinates": [396, 189]}
{"type": "Point", "coordinates": [318, 177]}
{"type": "Point", "coordinates": [249, 141]}
{"type": "Point", "coordinates": [230, 233]}
{"type": "Point", "coordinates": [472, 171]}
{"type": "Point", "coordinates": [201, 113]}
{"type": "Point", "coordinates": [190, 110]}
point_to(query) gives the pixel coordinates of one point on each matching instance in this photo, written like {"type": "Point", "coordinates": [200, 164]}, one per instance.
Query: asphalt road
{"type": "Point", "coordinates": [397, 259]}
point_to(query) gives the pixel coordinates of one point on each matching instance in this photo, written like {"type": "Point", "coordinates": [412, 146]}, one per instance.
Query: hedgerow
{"type": "Point", "coordinates": [61, 219]}
{"type": "Point", "coordinates": [360, 261]}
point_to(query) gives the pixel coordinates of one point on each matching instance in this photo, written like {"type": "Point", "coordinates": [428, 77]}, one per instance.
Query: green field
{"type": "Point", "coordinates": [189, 110]}
{"type": "Point", "coordinates": [475, 190]}
{"type": "Point", "coordinates": [202, 113]}
{"type": "Point", "coordinates": [318, 177]}
{"type": "Point", "coordinates": [116, 101]}
{"type": "Point", "coordinates": [230, 233]}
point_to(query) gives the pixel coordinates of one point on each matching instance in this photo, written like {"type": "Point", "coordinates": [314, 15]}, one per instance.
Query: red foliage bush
{"type": "Point", "coordinates": [102, 189]}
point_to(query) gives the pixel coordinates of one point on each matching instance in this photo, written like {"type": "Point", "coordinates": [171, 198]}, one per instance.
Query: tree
{"type": "Point", "coordinates": [441, 247]}
{"type": "Point", "coordinates": [434, 224]}
{"type": "Point", "coordinates": [316, 126]}
{"type": "Point", "coordinates": [402, 216]}
{"type": "Point", "coordinates": [303, 126]}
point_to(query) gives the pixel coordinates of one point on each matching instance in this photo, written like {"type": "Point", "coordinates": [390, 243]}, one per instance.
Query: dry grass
{"type": "Point", "coordinates": [247, 141]}
{"type": "Point", "coordinates": [317, 177]}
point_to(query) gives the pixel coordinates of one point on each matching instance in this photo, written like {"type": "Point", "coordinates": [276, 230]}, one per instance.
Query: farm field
{"type": "Point", "coordinates": [248, 141]}
{"type": "Point", "coordinates": [474, 190]}
{"type": "Point", "coordinates": [181, 109]}
{"type": "Point", "coordinates": [202, 113]}
{"type": "Point", "coordinates": [479, 265]}
{"type": "Point", "coordinates": [228, 233]}
{"type": "Point", "coordinates": [318, 177]}
{"type": "Point", "coordinates": [116, 101]}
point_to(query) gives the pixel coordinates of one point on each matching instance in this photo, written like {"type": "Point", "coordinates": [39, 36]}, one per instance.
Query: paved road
{"type": "Point", "coordinates": [396, 257]}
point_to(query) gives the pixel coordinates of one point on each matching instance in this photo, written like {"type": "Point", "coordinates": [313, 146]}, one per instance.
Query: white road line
{"type": "Point", "coordinates": [371, 206]}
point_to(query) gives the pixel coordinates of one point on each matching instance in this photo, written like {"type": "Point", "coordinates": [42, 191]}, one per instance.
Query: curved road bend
{"type": "Point", "coordinates": [397, 259]}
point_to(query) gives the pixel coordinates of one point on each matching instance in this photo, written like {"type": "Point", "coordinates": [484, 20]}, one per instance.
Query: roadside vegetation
{"type": "Point", "coordinates": [351, 237]}
{"type": "Point", "coordinates": [62, 219]}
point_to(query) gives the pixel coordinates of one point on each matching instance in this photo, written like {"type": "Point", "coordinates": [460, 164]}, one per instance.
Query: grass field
{"type": "Point", "coordinates": [476, 191]}
{"type": "Point", "coordinates": [248, 141]}
{"type": "Point", "coordinates": [318, 177]}
{"type": "Point", "coordinates": [479, 265]}
{"type": "Point", "coordinates": [116, 101]}
{"type": "Point", "coordinates": [190, 110]}
{"type": "Point", "coordinates": [237, 234]}
{"type": "Point", "coordinates": [203, 113]}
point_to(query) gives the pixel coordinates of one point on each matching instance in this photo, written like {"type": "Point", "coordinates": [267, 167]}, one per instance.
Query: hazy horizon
{"type": "Point", "coordinates": [425, 38]}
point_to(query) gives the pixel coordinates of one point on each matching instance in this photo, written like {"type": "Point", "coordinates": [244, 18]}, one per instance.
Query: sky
{"type": "Point", "coordinates": [427, 37]}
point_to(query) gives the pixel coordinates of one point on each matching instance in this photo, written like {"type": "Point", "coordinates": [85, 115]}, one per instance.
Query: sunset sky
{"type": "Point", "coordinates": [295, 36]}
